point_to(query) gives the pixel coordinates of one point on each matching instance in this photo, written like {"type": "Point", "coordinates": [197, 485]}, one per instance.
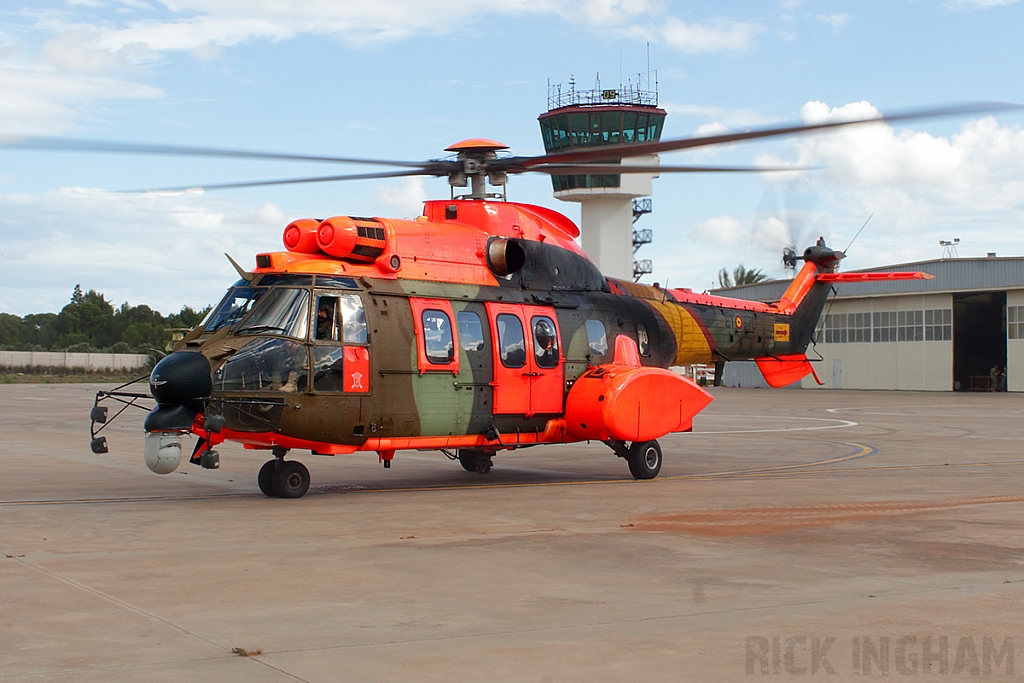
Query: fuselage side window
{"type": "Point", "coordinates": [597, 337]}
{"type": "Point", "coordinates": [545, 342]}
{"type": "Point", "coordinates": [642, 341]}
{"type": "Point", "coordinates": [511, 341]}
{"type": "Point", "coordinates": [471, 332]}
{"type": "Point", "coordinates": [437, 337]}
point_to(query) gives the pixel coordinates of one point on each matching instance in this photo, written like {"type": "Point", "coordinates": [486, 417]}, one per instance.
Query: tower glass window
{"type": "Point", "coordinates": [583, 127]}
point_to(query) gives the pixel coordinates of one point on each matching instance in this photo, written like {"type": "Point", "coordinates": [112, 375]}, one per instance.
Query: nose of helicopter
{"type": "Point", "coordinates": [178, 383]}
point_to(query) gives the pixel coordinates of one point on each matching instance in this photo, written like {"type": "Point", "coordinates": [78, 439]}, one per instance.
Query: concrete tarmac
{"type": "Point", "coordinates": [794, 535]}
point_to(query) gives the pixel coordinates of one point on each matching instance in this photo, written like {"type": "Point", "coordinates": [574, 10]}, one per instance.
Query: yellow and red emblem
{"type": "Point", "coordinates": [782, 332]}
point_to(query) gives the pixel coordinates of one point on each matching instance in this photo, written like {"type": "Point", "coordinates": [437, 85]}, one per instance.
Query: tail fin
{"type": "Point", "coordinates": [803, 301]}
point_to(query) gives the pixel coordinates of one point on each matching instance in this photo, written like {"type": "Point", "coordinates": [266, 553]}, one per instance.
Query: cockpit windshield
{"type": "Point", "coordinates": [235, 306]}
{"type": "Point", "coordinates": [282, 312]}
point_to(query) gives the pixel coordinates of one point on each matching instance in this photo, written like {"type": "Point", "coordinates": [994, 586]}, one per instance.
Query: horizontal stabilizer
{"type": "Point", "coordinates": [873, 277]}
{"type": "Point", "coordinates": [780, 371]}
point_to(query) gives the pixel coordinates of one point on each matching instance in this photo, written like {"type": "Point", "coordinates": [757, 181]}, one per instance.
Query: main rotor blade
{"type": "Point", "coordinates": [286, 181]}
{"type": "Point", "coordinates": [108, 146]}
{"type": "Point", "coordinates": [613, 152]}
{"type": "Point", "coordinates": [616, 169]}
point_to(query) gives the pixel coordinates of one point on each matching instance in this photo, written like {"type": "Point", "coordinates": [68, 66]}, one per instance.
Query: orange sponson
{"type": "Point", "coordinates": [624, 401]}
{"type": "Point", "coordinates": [780, 371]}
{"type": "Point", "coordinates": [300, 236]}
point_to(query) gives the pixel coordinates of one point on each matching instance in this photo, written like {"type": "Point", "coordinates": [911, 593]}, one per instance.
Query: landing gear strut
{"type": "Point", "coordinates": [643, 457]}
{"type": "Point", "coordinates": [279, 478]}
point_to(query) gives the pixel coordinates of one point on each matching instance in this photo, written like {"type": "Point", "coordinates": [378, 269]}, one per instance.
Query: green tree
{"type": "Point", "coordinates": [90, 323]}
{"type": "Point", "coordinates": [740, 276]}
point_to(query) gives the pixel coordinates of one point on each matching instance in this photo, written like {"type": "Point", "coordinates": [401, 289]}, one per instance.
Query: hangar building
{"type": "Point", "coordinates": [944, 334]}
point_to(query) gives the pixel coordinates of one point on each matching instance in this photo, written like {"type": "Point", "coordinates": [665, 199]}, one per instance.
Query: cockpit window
{"type": "Point", "coordinates": [265, 365]}
{"type": "Point", "coordinates": [282, 312]}
{"type": "Point", "coordinates": [269, 280]}
{"type": "Point", "coordinates": [235, 306]}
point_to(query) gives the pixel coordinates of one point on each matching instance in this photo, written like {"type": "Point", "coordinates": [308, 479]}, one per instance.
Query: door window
{"type": "Point", "coordinates": [340, 317]}
{"type": "Point", "coordinates": [436, 340]}
{"type": "Point", "coordinates": [353, 319]}
{"type": "Point", "coordinates": [471, 332]}
{"type": "Point", "coordinates": [437, 337]}
{"type": "Point", "coordinates": [340, 320]}
{"type": "Point", "coordinates": [511, 341]}
{"type": "Point", "coordinates": [545, 342]}
{"type": "Point", "coordinates": [328, 368]}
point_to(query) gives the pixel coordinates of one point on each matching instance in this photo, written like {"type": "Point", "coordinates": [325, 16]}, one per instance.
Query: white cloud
{"type": "Point", "coordinates": [226, 23]}
{"type": "Point", "coordinates": [726, 230]}
{"type": "Point", "coordinates": [74, 51]}
{"type": "Point", "coordinates": [164, 250]}
{"type": "Point", "coordinates": [981, 166]}
{"type": "Point", "coordinates": [721, 35]}
{"type": "Point", "coordinates": [919, 186]}
{"type": "Point", "coordinates": [45, 98]}
{"type": "Point", "coordinates": [966, 5]}
{"type": "Point", "coordinates": [836, 21]}
{"type": "Point", "coordinates": [405, 197]}
{"type": "Point", "coordinates": [706, 129]}
{"type": "Point", "coordinates": [36, 100]}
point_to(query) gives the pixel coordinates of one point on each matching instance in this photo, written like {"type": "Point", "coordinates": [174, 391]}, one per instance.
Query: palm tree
{"type": "Point", "coordinates": [740, 276]}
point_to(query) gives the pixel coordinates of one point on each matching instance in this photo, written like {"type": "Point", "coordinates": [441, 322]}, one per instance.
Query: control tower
{"type": "Point", "coordinates": [584, 119]}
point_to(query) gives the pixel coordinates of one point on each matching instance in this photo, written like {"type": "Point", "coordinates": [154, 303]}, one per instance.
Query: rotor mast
{"type": "Point", "coordinates": [474, 155]}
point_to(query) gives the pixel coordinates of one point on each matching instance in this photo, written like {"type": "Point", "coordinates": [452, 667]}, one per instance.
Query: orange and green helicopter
{"type": "Point", "coordinates": [479, 327]}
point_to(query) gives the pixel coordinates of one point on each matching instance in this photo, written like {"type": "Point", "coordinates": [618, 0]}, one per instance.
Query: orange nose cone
{"type": "Point", "coordinates": [337, 236]}
{"type": "Point", "coordinates": [476, 143]}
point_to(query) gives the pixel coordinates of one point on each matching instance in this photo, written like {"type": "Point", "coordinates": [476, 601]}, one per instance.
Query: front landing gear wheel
{"type": "Point", "coordinates": [291, 479]}
{"type": "Point", "coordinates": [266, 478]}
{"type": "Point", "coordinates": [644, 459]}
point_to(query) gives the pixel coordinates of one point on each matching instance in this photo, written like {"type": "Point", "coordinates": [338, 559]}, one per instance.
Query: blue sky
{"type": "Point", "coordinates": [403, 79]}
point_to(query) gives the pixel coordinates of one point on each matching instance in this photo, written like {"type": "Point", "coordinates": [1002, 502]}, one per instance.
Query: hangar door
{"type": "Point", "coordinates": [979, 338]}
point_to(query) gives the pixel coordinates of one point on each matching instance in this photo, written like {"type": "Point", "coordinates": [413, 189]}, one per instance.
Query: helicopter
{"type": "Point", "coordinates": [479, 327]}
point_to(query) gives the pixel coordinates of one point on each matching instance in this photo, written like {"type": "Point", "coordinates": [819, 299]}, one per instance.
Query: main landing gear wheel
{"type": "Point", "coordinates": [475, 461]}
{"type": "Point", "coordinates": [644, 459]}
{"type": "Point", "coordinates": [266, 478]}
{"type": "Point", "coordinates": [291, 479]}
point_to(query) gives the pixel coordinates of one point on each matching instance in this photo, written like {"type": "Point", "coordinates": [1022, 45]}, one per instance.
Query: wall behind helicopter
{"type": "Point", "coordinates": [379, 80]}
